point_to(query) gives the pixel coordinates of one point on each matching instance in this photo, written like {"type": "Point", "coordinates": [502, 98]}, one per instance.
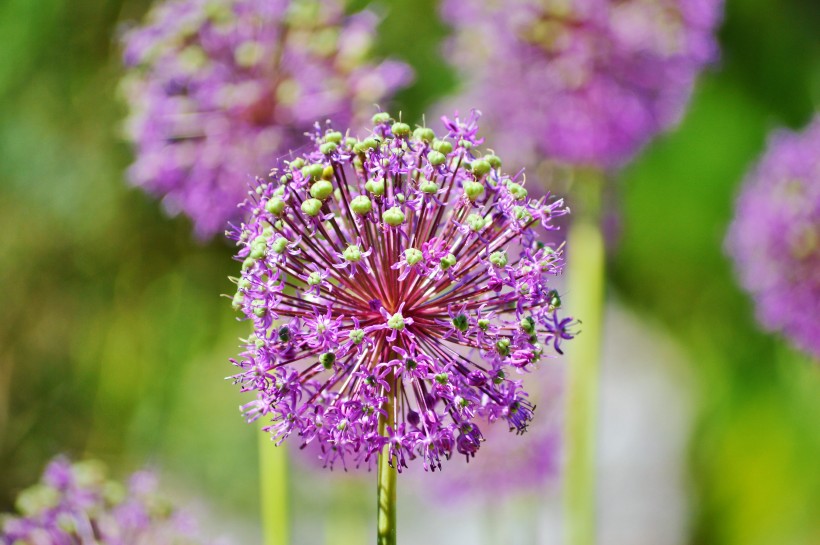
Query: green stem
{"type": "Point", "coordinates": [386, 487]}
{"type": "Point", "coordinates": [585, 288]}
{"type": "Point", "coordinates": [273, 475]}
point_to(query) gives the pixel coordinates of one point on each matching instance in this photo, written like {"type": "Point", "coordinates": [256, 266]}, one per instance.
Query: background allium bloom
{"type": "Point", "coordinates": [369, 267]}
{"type": "Point", "coordinates": [775, 236]}
{"type": "Point", "coordinates": [530, 464]}
{"type": "Point", "coordinates": [219, 89]}
{"type": "Point", "coordinates": [74, 504]}
{"type": "Point", "coordinates": [583, 81]}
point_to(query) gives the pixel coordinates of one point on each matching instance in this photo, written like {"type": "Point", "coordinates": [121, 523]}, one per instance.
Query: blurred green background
{"type": "Point", "coordinates": [114, 340]}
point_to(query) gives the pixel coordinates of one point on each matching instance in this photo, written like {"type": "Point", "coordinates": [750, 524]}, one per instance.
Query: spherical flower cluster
{"type": "Point", "coordinates": [74, 504]}
{"type": "Point", "coordinates": [582, 81]}
{"type": "Point", "coordinates": [219, 89]}
{"type": "Point", "coordinates": [774, 238]}
{"type": "Point", "coordinates": [389, 304]}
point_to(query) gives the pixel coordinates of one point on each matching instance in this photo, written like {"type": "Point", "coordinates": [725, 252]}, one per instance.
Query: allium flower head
{"type": "Point", "coordinates": [74, 504]}
{"type": "Point", "coordinates": [583, 81]}
{"type": "Point", "coordinates": [396, 278]}
{"type": "Point", "coordinates": [774, 238]}
{"type": "Point", "coordinates": [219, 89]}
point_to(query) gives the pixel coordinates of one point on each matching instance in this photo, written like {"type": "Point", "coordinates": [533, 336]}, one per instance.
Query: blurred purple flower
{"type": "Point", "coordinates": [774, 238]}
{"type": "Point", "coordinates": [74, 504]}
{"type": "Point", "coordinates": [588, 82]}
{"type": "Point", "coordinates": [219, 89]}
{"type": "Point", "coordinates": [508, 467]}
{"type": "Point", "coordinates": [447, 298]}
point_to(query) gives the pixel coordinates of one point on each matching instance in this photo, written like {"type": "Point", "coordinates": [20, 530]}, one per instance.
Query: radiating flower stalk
{"type": "Point", "coordinates": [396, 286]}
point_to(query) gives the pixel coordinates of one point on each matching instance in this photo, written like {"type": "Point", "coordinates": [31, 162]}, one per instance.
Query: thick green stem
{"type": "Point", "coordinates": [585, 290]}
{"type": "Point", "coordinates": [386, 488]}
{"type": "Point", "coordinates": [273, 476]}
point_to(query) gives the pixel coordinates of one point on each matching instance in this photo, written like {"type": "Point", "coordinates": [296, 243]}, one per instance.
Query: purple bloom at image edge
{"type": "Point", "coordinates": [595, 80]}
{"type": "Point", "coordinates": [774, 238]}
{"type": "Point", "coordinates": [76, 503]}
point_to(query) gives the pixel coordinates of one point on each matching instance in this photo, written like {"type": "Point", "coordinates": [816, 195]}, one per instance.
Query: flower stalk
{"type": "Point", "coordinates": [273, 476]}
{"type": "Point", "coordinates": [586, 284]}
{"type": "Point", "coordinates": [386, 485]}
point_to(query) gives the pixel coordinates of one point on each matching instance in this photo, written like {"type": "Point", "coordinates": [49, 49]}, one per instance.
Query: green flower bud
{"type": "Point", "coordinates": [443, 146]}
{"type": "Point", "coordinates": [278, 246]}
{"type": "Point", "coordinates": [461, 323]}
{"type": "Point", "coordinates": [314, 278]}
{"type": "Point", "coordinates": [327, 359]}
{"type": "Point", "coordinates": [447, 261]}
{"type": "Point", "coordinates": [410, 364]}
{"type": "Point", "coordinates": [314, 171]}
{"type": "Point", "coordinates": [428, 187]}
{"type": "Point", "coordinates": [328, 147]}
{"type": "Point", "coordinates": [259, 247]}
{"type": "Point", "coordinates": [259, 309]}
{"type": "Point", "coordinates": [393, 216]}
{"type": "Point", "coordinates": [248, 263]}
{"type": "Point", "coordinates": [466, 144]}
{"type": "Point", "coordinates": [334, 136]}
{"type": "Point", "coordinates": [400, 130]}
{"type": "Point", "coordinates": [517, 191]}
{"type": "Point", "coordinates": [321, 190]}
{"type": "Point", "coordinates": [375, 186]}
{"type": "Point", "coordinates": [327, 172]}
{"type": "Point", "coordinates": [475, 222]}
{"type": "Point", "coordinates": [499, 377]}
{"type": "Point", "coordinates": [473, 190]}
{"type": "Point", "coordinates": [381, 117]}
{"type": "Point", "coordinates": [480, 167]}
{"type": "Point", "coordinates": [483, 324]}
{"type": "Point", "coordinates": [352, 254]}
{"type": "Point", "coordinates": [502, 346]}
{"type": "Point", "coordinates": [527, 324]}
{"type": "Point", "coordinates": [494, 160]}
{"type": "Point", "coordinates": [396, 322]}
{"type": "Point", "coordinates": [312, 207]}
{"type": "Point", "coordinates": [275, 206]}
{"type": "Point", "coordinates": [296, 164]}
{"type": "Point", "coordinates": [361, 205]}
{"type": "Point", "coordinates": [522, 214]}
{"type": "Point", "coordinates": [424, 134]}
{"type": "Point", "coordinates": [366, 144]}
{"type": "Point", "coordinates": [442, 378]}
{"type": "Point", "coordinates": [436, 158]}
{"type": "Point", "coordinates": [357, 336]}
{"type": "Point", "coordinates": [413, 256]}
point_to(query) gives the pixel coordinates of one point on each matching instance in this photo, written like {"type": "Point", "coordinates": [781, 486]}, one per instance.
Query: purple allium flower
{"type": "Point", "coordinates": [582, 81]}
{"type": "Point", "coordinates": [398, 278]}
{"type": "Point", "coordinates": [74, 504]}
{"type": "Point", "coordinates": [774, 238]}
{"type": "Point", "coordinates": [219, 89]}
